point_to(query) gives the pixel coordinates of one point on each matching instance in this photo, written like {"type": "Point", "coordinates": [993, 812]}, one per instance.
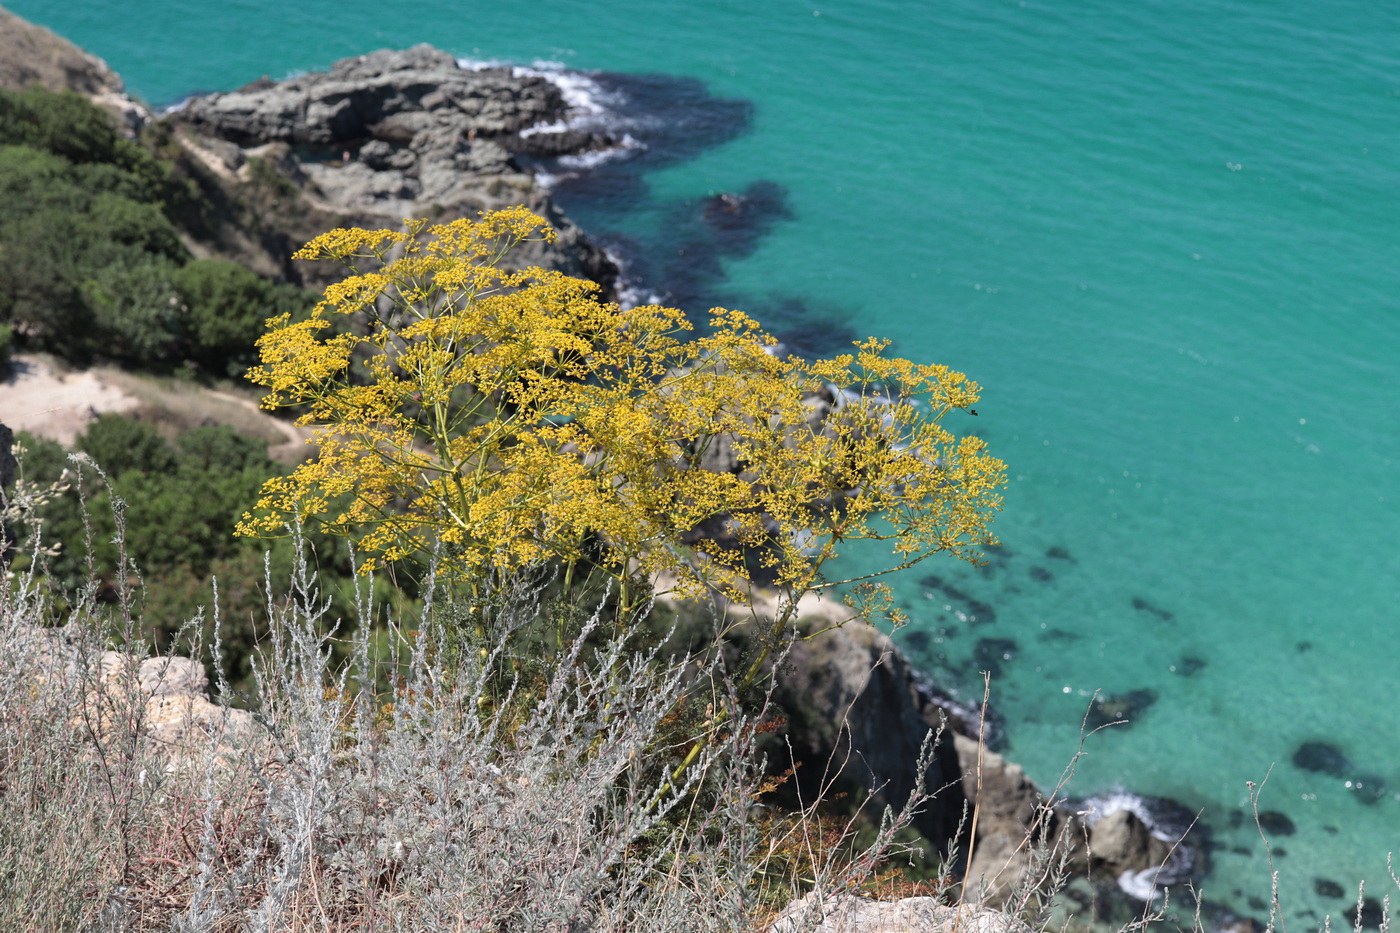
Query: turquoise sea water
{"type": "Point", "coordinates": [1164, 237]}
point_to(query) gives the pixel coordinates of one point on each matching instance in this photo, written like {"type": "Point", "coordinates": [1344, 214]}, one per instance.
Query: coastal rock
{"type": "Point", "coordinates": [389, 135]}
{"type": "Point", "coordinates": [847, 913]}
{"type": "Point", "coordinates": [388, 94]}
{"type": "Point", "coordinates": [857, 713]}
{"type": "Point", "coordinates": [853, 714]}
{"type": "Point", "coordinates": [1018, 830]}
{"type": "Point", "coordinates": [31, 54]}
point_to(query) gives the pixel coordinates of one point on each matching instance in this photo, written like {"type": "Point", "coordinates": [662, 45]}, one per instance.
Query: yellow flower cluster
{"type": "Point", "coordinates": [500, 418]}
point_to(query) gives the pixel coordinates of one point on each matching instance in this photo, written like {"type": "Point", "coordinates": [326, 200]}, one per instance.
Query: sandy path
{"type": "Point", "coordinates": [35, 398]}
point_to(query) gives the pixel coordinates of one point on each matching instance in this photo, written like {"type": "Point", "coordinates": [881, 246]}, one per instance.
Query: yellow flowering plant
{"type": "Point", "coordinates": [501, 418]}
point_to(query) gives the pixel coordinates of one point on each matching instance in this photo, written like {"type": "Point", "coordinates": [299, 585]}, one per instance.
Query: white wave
{"type": "Point", "coordinates": [558, 126]}
{"type": "Point", "coordinates": [630, 294]}
{"type": "Point", "coordinates": [590, 106]}
{"type": "Point", "coordinates": [1147, 884]}
{"type": "Point", "coordinates": [597, 157]}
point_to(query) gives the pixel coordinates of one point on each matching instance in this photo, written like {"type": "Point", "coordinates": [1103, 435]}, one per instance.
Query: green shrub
{"type": "Point", "coordinates": [225, 309]}
{"type": "Point", "coordinates": [91, 265]}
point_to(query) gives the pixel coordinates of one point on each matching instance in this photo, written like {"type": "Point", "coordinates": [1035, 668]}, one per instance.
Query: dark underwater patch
{"type": "Point", "coordinates": [1276, 823]}
{"type": "Point", "coordinates": [991, 654]}
{"type": "Point", "coordinates": [1370, 914]}
{"type": "Point", "coordinates": [977, 611]}
{"type": "Point", "coordinates": [1322, 758]}
{"type": "Point", "coordinates": [1189, 665]}
{"type": "Point", "coordinates": [1325, 887]}
{"type": "Point", "coordinates": [1142, 605]}
{"type": "Point", "coordinates": [1124, 708]}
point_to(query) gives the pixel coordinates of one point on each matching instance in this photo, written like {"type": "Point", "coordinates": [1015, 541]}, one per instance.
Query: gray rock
{"type": "Point", "coordinates": [397, 134]}
{"type": "Point", "coordinates": [847, 913]}
{"type": "Point", "coordinates": [388, 94]}
{"type": "Point", "coordinates": [851, 704]}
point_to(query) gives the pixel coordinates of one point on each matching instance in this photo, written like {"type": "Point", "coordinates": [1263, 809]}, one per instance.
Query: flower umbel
{"type": "Point", "coordinates": [506, 417]}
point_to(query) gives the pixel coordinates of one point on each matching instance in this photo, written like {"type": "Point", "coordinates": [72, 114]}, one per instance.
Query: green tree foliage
{"type": "Point", "coordinates": [91, 265]}
{"type": "Point", "coordinates": [225, 308]}
{"type": "Point", "coordinates": [71, 128]}
{"type": "Point", "coordinates": [181, 501]}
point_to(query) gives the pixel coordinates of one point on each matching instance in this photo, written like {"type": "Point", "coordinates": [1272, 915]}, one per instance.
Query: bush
{"type": "Point", "coordinates": [226, 308]}
{"type": "Point", "coordinates": [94, 267]}
{"type": "Point", "coordinates": [453, 800]}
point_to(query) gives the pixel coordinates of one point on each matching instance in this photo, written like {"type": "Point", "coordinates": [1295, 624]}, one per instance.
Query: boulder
{"type": "Point", "coordinates": [171, 694]}
{"type": "Point", "coordinates": [851, 703]}
{"type": "Point", "coordinates": [847, 913]}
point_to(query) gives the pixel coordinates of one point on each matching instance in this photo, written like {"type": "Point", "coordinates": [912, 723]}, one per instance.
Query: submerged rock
{"type": "Point", "coordinates": [1369, 914]}
{"type": "Point", "coordinates": [1142, 605]}
{"type": "Point", "coordinates": [1275, 823]}
{"type": "Point", "coordinates": [1122, 708]}
{"type": "Point", "coordinates": [1322, 757]}
{"type": "Point", "coordinates": [1325, 887]}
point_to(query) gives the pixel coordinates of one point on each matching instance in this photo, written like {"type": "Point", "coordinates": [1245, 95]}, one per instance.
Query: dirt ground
{"type": "Point", "coordinates": [38, 396]}
{"type": "Point", "coordinates": [35, 397]}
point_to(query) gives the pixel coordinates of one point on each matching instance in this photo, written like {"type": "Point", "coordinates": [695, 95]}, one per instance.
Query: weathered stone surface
{"type": "Point", "coordinates": [388, 94]}
{"type": "Point", "coordinates": [851, 704]}
{"type": "Point", "coordinates": [1015, 827]}
{"type": "Point", "coordinates": [1120, 838]}
{"type": "Point", "coordinates": [172, 696]}
{"type": "Point", "coordinates": [31, 54]}
{"type": "Point", "coordinates": [846, 913]}
{"type": "Point", "coordinates": [395, 134]}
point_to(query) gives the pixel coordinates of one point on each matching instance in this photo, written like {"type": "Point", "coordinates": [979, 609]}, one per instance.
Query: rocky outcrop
{"type": "Point", "coordinates": [1019, 834]}
{"type": "Point", "coordinates": [846, 913]}
{"type": "Point", "coordinates": [395, 97]}
{"type": "Point", "coordinates": [31, 54]}
{"type": "Point", "coordinates": [166, 697]}
{"type": "Point", "coordinates": [857, 714]}
{"type": "Point", "coordinates": [848, 695]}
{"type": "Point", "coordinates": [396, 134]}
